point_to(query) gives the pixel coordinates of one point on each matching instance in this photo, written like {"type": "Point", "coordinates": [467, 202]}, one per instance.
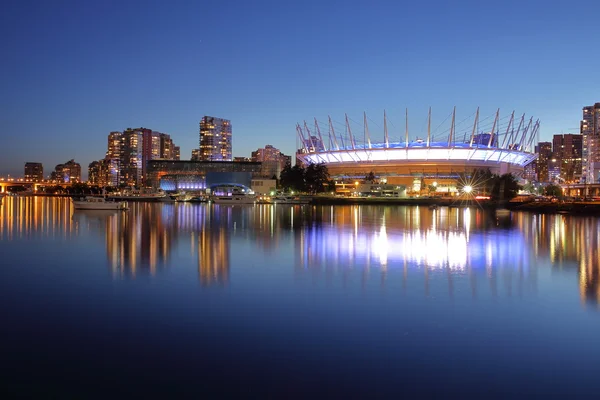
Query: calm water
{"type": "Point", "coordinates": [294, 301]}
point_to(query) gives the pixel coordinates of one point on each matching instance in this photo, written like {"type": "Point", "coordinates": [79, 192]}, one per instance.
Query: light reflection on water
{"type": "Point", "coordinates": [371, 238]}
{"type": "Point", "coordinates": [291, 301]}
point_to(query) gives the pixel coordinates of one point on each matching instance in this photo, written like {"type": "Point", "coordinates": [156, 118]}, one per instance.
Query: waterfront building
{"type": "Point", "coordinates": [589, 128]}
{"type": "Point", "coordinates": [168, 150]}
{"type": "Point", "coordinates": [196, 155]}
{"type": "Point", "coordinates": [94, 172]}
{"type": "Point", "coordinates": [530, 172]}
{"type": "Point", "coordinates": [130, 167]}
{"type": "Point", "coordinates": [128, 153]}
{"type": "Point", "coordinates": [263, 186]}
{"type": "Point", "coordinates": [273, 161]}
{"type": "Point", "coordinates": [554, 168]}
{"type": "Point", "coordinates": [68, 172]}
{"type": "Point", "coordinates": [34, 172]}
{"type": "Point", "coordinates": [174, 175]}
{"type": "Point", "coordinates": [452, 153]}
{"type": "Point", "coordinates": [567, 148]}
{"type": "Point", "coordinates": [544, 152]}
{"type": "Point", "coordinates": [241, 159]}
{"type": "Point", "coordinates": [215, 139]}
{"type": "Point", "coordinates": [113, 159]}
{"type": "Point", "coordinates": [150, 147]}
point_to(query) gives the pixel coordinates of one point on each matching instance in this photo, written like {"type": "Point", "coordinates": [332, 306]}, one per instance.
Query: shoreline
{"type": "Point", "coordinates": [571, 208]}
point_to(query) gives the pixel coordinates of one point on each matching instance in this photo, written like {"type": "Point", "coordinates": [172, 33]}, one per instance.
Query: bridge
{"type": "Point", "coordinates": [13, 182]}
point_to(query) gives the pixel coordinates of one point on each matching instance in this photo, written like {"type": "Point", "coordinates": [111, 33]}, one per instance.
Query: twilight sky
{"type": "Point", "coordinates": [72, 71]}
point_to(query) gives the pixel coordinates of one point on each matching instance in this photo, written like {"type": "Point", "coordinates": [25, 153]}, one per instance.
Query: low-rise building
{"type": "Point", "coordinates": [172, 175]}
{"type": "Point", "coordinates": [263, 186]}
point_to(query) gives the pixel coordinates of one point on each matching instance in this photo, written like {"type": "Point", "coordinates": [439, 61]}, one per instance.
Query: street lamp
{"type": "Point", "coordinates": [468, 189]}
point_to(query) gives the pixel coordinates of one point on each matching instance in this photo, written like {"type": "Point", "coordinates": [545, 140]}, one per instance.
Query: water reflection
{"type": "Point", "coordinates": [569, 242]}
{"type": "Point", "coordinates": [410, 242]}
{"type": "Point", "coordinates": [35, 217]}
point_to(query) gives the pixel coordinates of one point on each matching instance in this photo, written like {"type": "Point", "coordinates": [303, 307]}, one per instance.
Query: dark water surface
{"type": "Point", "coordinates": [178, 300]}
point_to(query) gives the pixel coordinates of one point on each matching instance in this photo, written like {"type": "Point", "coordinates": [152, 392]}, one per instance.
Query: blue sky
{"type": "Point", "coordinates": [72, 71]}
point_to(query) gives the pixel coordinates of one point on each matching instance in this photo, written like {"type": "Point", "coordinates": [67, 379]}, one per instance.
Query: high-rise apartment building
{"type": "Point", "coordinates": [113, 159]}
{"type": "Point", "coordinates": [589, 128]}
{"type": "Point", "coordinates": [94, 172]}
{"type": "Point", "coordinates": [567, 149]}
{"type": "Point", "coordinates": [195, 155]}
{"type": "Point", "coordinates": [67, 172]}
{"type": "Point", "coordinates": [130, 169]}
{"type": "Point", "coordinates": [150, 147]}
{"type": "Point", "coordinates": [215, 139]}
{"type": "Point", "coordinates": [128, 155]}
{"type": "Point", "coordinates": [168, 150]}
{"type": "Point", "coordinates": [530, 172]}
{"type": "Point", "coordinates": [34, 172]}
{"type": "Point", "coordinates": [544, 151]}
{"type": "Point", "coordinates": [273, 161]}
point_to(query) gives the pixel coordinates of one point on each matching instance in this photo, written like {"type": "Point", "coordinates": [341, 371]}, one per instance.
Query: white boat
{"type": "Point", "coordinates": [183, 197]}
{"type": "Point", "coordinates": [234, 199]}
{"type": "Point", "coordinates": [98, 203]}
{"type": "Point", "coordinates": [282, 199]}
{"type": "Point", "coordinates": [138, 195]}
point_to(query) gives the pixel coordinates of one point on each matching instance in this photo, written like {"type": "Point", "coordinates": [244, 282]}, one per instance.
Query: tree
{"type": "Point", "coordinates": [505, 187]}
{"type": "Point", "coordinates": [78, 188]}
{"type": "Point", "coordinates": [312, 179]}
{"type": "Point", "coordinates": [292, 178]}
{"type": "Point", "coordinates": [316, 177]}
{"type": "Point", "coordinates": [370, 177]}
{"type": "Point", "coordinates": [553, 190]}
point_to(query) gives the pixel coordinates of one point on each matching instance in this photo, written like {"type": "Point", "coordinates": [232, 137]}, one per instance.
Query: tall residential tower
{"type": "Point", "coordinates": [215, 139]}
{"type": "Point", "coordinates": [567, 149]}
{"type": "Point", "coordinates": [590, 130]}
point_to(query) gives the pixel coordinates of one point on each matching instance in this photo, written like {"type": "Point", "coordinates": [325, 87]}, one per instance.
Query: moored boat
{"type": "Point", "coordinates": [139, 195]}
{"type": "Point", "coordinates": [283, 199]}
{"type": "Point", "coordinates": [98, 203]}
{"type": "Point", "coordinates": [234, 199]}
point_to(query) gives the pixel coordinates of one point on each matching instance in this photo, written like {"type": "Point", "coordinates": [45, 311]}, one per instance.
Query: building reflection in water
{"type": "Point", "coordinates": [449, 240]}
{"type": "Point", "coordinates": [371, 239]}
{"type": "Point", "coordinates": [139, 240]}
{"type": "Point", "coordinates": [31, 217]}
{"type": "Point", "coordinates": [569, 242]}
{"type": "Point", "coordinates": [214, 247]}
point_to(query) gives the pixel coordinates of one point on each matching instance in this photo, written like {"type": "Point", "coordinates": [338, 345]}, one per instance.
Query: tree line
{"type": "Point", "coordinates": [311, 179]}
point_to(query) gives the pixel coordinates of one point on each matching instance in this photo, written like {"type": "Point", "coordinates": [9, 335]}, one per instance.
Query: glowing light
{"type": "Point", "coordinates": [356, 183]}
{"type": "Point", "coordinates": [468, 189]}
{"type": "Point", "coordinates": [421, 154]}
{"type": "Point", "coordinates": [434, 184]}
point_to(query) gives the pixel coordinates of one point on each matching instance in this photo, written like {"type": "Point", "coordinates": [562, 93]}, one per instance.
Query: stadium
{"type": "Point", "coordinates": [439, 155]}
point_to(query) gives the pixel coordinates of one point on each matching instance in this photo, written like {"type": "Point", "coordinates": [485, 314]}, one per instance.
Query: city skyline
{"type": "Point", "coordinates": [61, 103]}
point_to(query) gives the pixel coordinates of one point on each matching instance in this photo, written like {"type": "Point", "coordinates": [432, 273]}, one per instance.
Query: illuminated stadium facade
{"type": "Point", "coordinates": [503, 145]}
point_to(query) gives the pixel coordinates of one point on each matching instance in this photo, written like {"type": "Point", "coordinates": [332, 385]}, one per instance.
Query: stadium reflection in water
{"type": "Point", "coordinates": [326, 240]}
